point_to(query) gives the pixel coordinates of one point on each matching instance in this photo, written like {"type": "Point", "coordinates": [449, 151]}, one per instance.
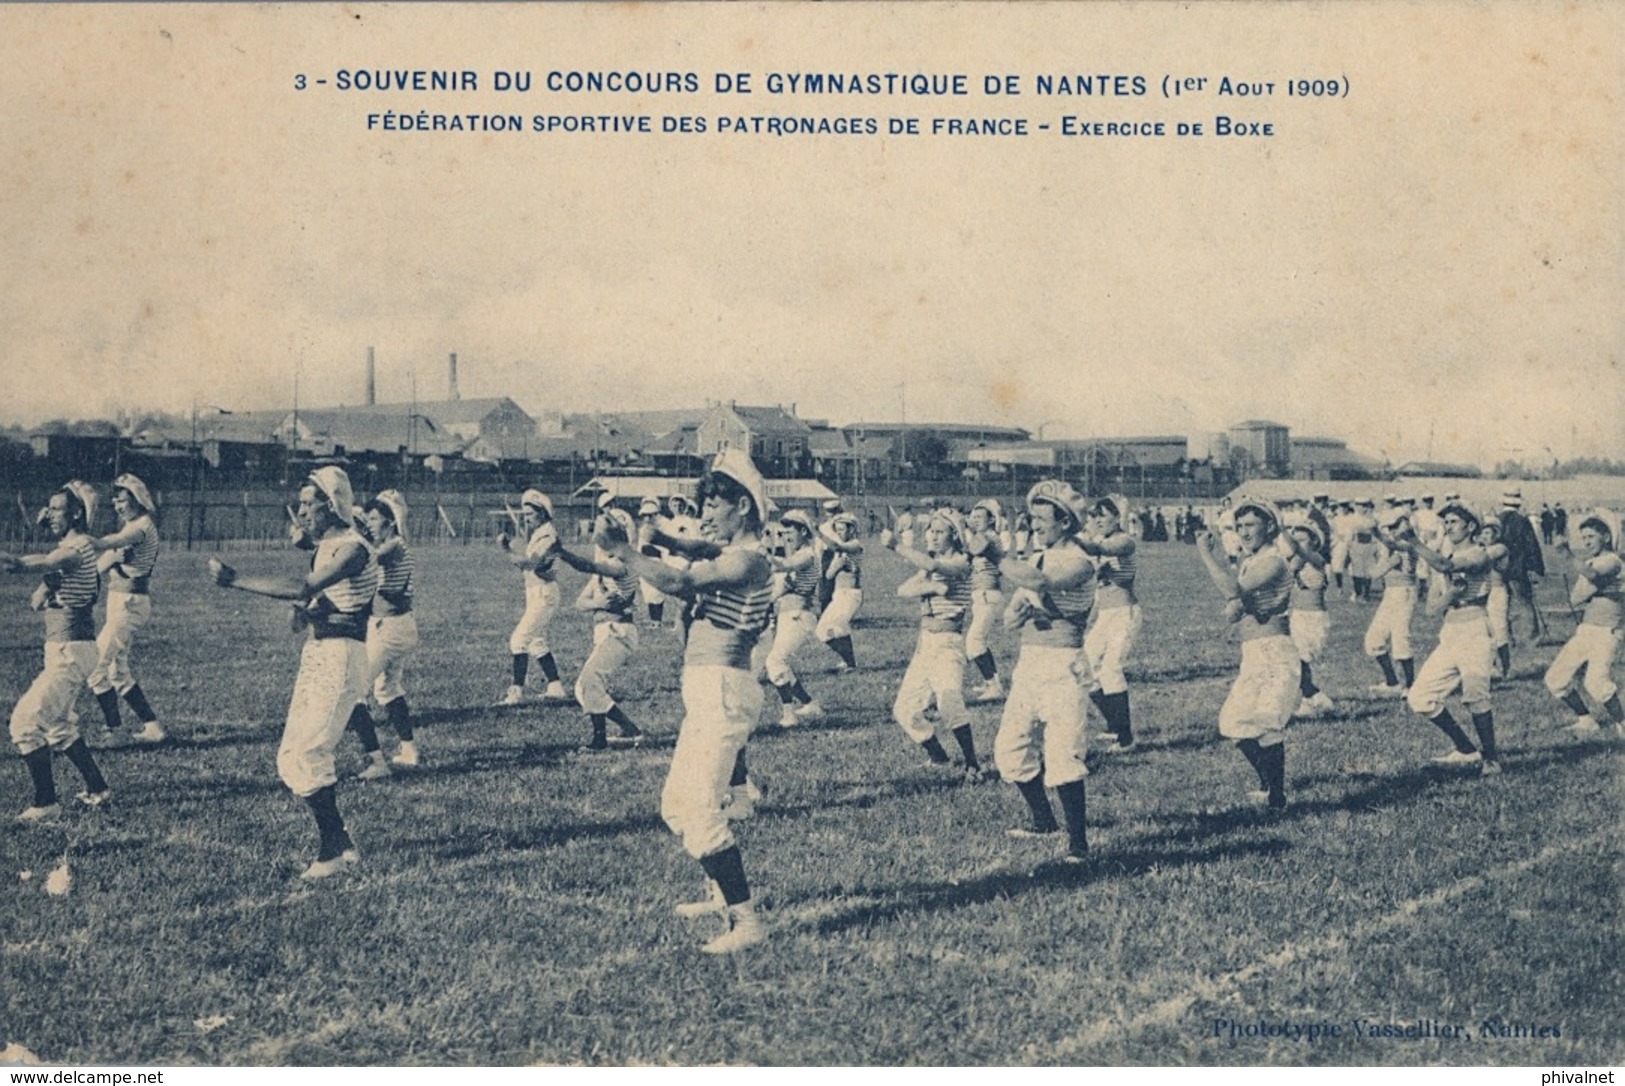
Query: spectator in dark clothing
{"type": "Point", "coordinates": [1524, 560]}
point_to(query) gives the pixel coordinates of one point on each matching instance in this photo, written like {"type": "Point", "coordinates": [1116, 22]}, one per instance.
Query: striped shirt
{"type": "Point", "coordinates": [1606, 573]}
{"type": "Point", "coordinates": [1115, 573]}
{"type": "Point", "coordinates": [1272, 598]}
{"type": "Point", "coordinates": [71, 592]}
{"type": "Point", "coordinates": [1308, 589]}
{"type": "Point", "coordinates": [540, 542]}
{"type": "Point", "coordinates": [342, 609]}
{"type": "Point", "coordinates": [801, 587]}
{"type": "Point", "coordinates": [1062, 613]}
{"type": "Point", "coordinates": [136, 561]}
{"type": "Point", "coordinates": [1404, 573]}
{"type": "Point", "coordinates": [397, 567]}
{"type": "Point", "coordinates": [1471, 586]}
{"type": "Point", "coordinates": [946, 613]}
{"type": "Point", "coordinates": [617, 595]}
{"type": "Point", "coordinates": [984, 567]}
{"type": "Point", "coordinates": [728, 620]}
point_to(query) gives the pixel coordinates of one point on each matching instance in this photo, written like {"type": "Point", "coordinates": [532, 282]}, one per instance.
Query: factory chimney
{"type": "Point", "coordinates": [451, 379]}
{"type": "Point", "coordinates": [372, 379]}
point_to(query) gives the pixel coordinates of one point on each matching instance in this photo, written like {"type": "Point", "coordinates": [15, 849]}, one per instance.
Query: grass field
{"type": "Point", "coordinates": [514, 900]}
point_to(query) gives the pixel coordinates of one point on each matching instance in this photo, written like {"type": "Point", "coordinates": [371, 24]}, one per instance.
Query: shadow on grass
{"type": "Point", "coordinates": [926, 898]}
{"type": "Point", "coordinates": [1182, 673]}
{"type": "Point", "coordinates": [1515, 761]}
{"type": "Point", "coordinates": [531, 839]}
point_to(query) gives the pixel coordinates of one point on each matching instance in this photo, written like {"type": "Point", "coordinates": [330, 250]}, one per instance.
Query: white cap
{"type": "Point", "coordinates": [137, 490]}
{"type": "Point", "coordinates": [85, 494]}
{"type": "Point", "coordinates": [397, 509]}
{"type": "Point", "coordinates": [535, 499]}
{"type": "Point", "coordinates": [736, 464]}
{"type": "Point", "coordinates": [332, 482]}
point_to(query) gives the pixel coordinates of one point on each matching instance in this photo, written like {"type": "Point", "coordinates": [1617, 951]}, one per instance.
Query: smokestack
{"type": "Point", "coordinates": [451, 379]}
{"type": "Point", "coordinates": [372, 379]}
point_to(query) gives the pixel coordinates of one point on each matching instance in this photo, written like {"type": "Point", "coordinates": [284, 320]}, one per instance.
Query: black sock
{"type": "Point", "coordinates": [1273, 758]}
{"type": "Point", "coordinates": [1073, 810]}
{"type": "Point", "coordinates": [1613, 707]}
{"type": "Point", "coordinates": [1484, 725]}
{"type": "Point", "coordinates": [361, 724]}
{"type": "Point", "coordinates": [399, 716]}
{"type": "Point", "coordinates": [800, 692]}
{"type": "Point", "coordinates": [1306, 680]}
{"type": "Point", "coordinates": [1407, 667]}
{"type": "Point", "coordinates": [1117, 713]}
{"type": "Point", "coordinates": [1447, 724]}
{"type": "Point", "coordinates": [1387, 666]}
{"type": "Point", "coordinates": [108, 700]}
{"type": "Point", "coordinates": [727, 870]}
{"type": "Point", "coordinates": [967, 746]}
{"type": "Point", "coordinates": [622, 721]}
{"type": "Point", "coordinates": [521, 665]}
{"type": "Point", "coordinates": [1503, 653]}
{"type": "Point", "coordinates": [1339, 577]}
{"type": "Point", "coordinates": [934, 751]}
{"type": "Point", "coordinates": [741, 772]}
{"type": "Point", "coordinates": [550, 667]}
{"type": "Point", "coordinates": [1097, 697]}
{"type": "Point", "coordinates": [79, 755]}
{"type": "Point", "coordinates": [843, 649]}
{"type": "Point", "coordinates": [599, 731]}
{"type": "Point", "coordinates": [324, 805]}
{"type": "Point", "coordinates": [987, 666]}
{"type": "Point", "coordinates": [1255, 758]}
{"type": "Point", "coordinates": [138, 704]}
{"type": "Point", "coordinates": [39, 770]}
{"type": "Point", "coordinates": [657, 612]}
{"type": "Point", "coordinates": [1576, 701]}
{"type": "Point", "coordinates": [1038, 804]}
{"type": "Point", "coordinates": [787, 694]}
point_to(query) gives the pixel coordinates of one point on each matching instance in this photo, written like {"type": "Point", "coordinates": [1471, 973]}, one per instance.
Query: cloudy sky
{"type": "Point", "coordinates": [1430, 265]}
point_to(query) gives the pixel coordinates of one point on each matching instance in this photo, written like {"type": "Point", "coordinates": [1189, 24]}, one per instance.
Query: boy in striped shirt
{"type": "Point", "coordinates": [937, 671]}
{"type": "Point", "coordinates": [43, 718]}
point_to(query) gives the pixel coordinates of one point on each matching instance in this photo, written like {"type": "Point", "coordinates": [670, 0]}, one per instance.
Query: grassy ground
{"type": "Point", "coordinates": [513, 904]}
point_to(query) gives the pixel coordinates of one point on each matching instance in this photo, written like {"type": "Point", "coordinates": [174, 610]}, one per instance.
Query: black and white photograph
{"type": "Point", "coordinates": [876, 535]}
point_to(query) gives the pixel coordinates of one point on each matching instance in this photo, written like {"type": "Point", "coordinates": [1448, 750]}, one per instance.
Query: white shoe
{"type": "Point", "coordinates": [376, 769]}
{"type": "Point", "coordinates": [1489, 769]}
{"type": "Point", "coordinates": [1305, 710]}
{"type": "Point", "coordinates": [992, 690]}
{"type": "Point", "coordinates": [33, 816]}
{"type": "Point", "coordinates": [1322, 703]}
{"type": "Point", "coordinates": [810, 711]}
{"type": "Point", "coordinates": [1259, 796]}
{"type": "Point", "coordinates": [1459, 757]}
{"type": "Point", "coordinates": [745, 929]}
{"type": "Point", "coordinates": [555, 692]}
{"type": "Point", "coordinates": [788, 718]}
{"type": "Point", "coordinates": [1586, 725]}
{"type": "Point", "coordinates": [514, 696]}
{"type": "Point", "coordinates": [1394, 691]}
{"type": "Point", "coordinates": [407, 755]}
{"type": "Point", "coordinates": [151, 732]}
{"type": "Point", "coordinates": [1027, 833]}
{"type": "Point", "coordinates": [741, 802]}
{"type": "Point", "coordinates": [96, 799]}
{"type": "Point", "coordinates": [710, 904]}
{"type": "Point", "coordinates": [324, 869]}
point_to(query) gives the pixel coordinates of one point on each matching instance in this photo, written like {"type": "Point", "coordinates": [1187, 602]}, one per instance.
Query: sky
{"type": "Point", "coordinates": [1429, 266]}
